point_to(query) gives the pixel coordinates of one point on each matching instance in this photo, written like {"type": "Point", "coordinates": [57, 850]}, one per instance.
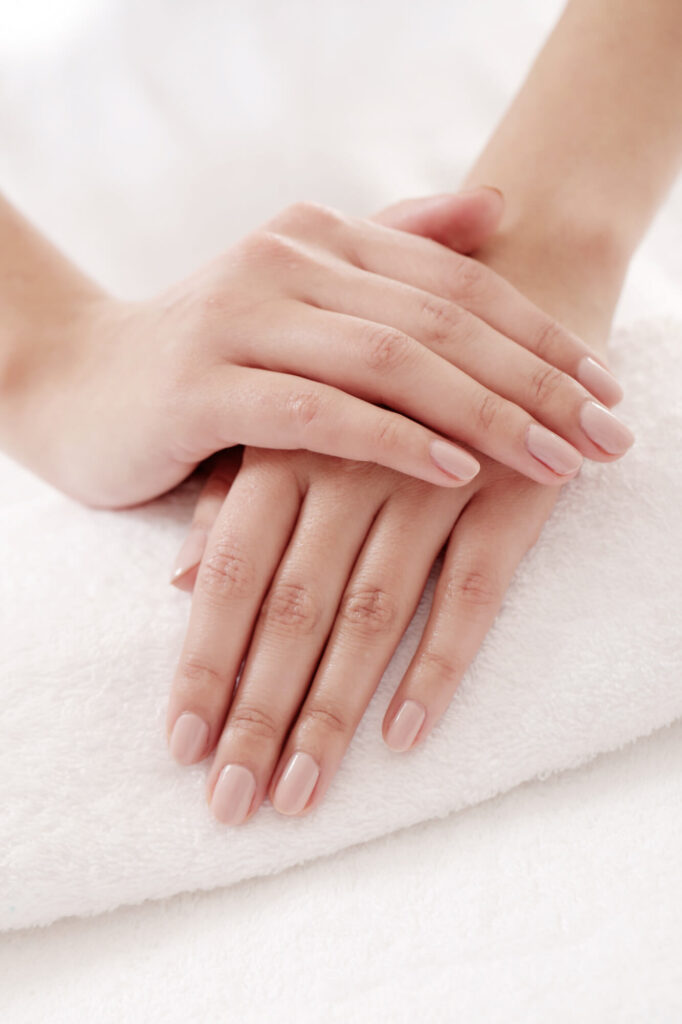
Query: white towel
{"type": "Point", "coordinates": [584, 656]}
{"type": "Point", "coordinates": [559, 901]}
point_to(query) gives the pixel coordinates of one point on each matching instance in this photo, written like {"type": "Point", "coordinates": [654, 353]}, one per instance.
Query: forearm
{"type": "Point", "coordinates": [41, 293]}
{"type": "Point", "coordinates": [593, 140]}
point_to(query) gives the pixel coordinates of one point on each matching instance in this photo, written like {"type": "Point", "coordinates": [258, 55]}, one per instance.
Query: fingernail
{"type": "Point", "coordinates": [602, 427]}
{"type": "Point", "coordinates": [454, 461]}
{"type": "Point", "coordinates": [599, 381]}
{"type": "Point", "coordinates": [552, 451]}
{"type": "Point", "coordinates": [477, 188]}
{"type": "Point", "coordinates": [296, 784]}
{"type": "Point", "coordinates": [233, 794]}
{"type": "Point", "coordinates": [405, 725]}
{"type": "Point", "coordinates": [188, 739]}
{"type": "Point", "coordinates": [189, 556]}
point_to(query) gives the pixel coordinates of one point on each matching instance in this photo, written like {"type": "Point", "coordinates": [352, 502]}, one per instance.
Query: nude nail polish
{"type": "Point", "coordinates": [233, 794]}
{"type": "Point", "coordinates": [599, 381]}
{"type": "Point", "coordinates": [188, 739]}
{"type": "Point", "coordinates": [552, 451]}
{"type": "Point", "coordinates": [405, 726]}
{"type": "Point", "coordinates": [296, 784]}
{"type": "Point", "coordinates": [454, 461]}
{"type": "Point", "coordinates": [602, 427]}
{"type": "Point", "coordinates": [189, 557]}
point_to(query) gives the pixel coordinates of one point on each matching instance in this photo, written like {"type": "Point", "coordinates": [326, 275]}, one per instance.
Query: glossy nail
{"type": "Point", "coordinates": [233, 794]}
{"type": "Point", "coordinates": [602, 427]}
{"type": "Point", "coordinates": [188, 739]}
{"type": "Point", "coordinates": [552, 451]}
{"type": "Point", "coordinates": [454, 461]}
{"type": "Point", "coordinates": [599, 381]}
{"type": "Point", "coordinates": [296, 784]}
{"type": "Point", "coordinates": [405, 726]}
{"type": "Point", "coordinates": [189, 556]}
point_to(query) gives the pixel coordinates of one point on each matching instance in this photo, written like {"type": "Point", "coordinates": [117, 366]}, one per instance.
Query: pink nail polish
{"type": "Point", "coordinates": [599, 381]}
{"type": "Point", "coordinates": [233, 794]}
{"type": "Point", "coordinates": [189, 556]}
{"type": "Point", "coordinates": [552, 451]}
{"type": "Point", "coordinates": [188, 739]}
{"type": "Point", "coordinates": [405, 726]}
{"type": "Point", "coordinates": [602, 427]}
{"type": "Point", "coordinates": [296, 784]}
{"type": "Point", "coordinates": [454, 461]}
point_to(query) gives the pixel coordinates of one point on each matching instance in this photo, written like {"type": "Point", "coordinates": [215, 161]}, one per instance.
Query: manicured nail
{"type": "Point", "coordinates": [189, 556]}
{"type": "Point", "coordinates": [454, 461]}
{"type": "Point", "coordinates": [599, 381]}
{"type": "Point", "coordinates": [296, 784]}
{"type": "Point", "coordinates": [602, 427]}
{"type": "Point", "coordinates": [233, 794]}
{"type": "Point", "coordinates": [405, 726]}
{"type": "Point", "coordinates": [188, 739]}
{"type": "Point", "coordinates": [552, 451]}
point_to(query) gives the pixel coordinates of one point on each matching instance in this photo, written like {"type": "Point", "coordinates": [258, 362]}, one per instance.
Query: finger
{"type": "Point", "coordinates": [242, 553]}
{"type": "Point", "coordinates": [285, 411]}
{"type": "Point", "coordinates": [461, 221]}
{"type": "Point", "coordinates": [504, 367]}
{"type": "Point", "coordinates": [488, 542]}
{"type": "Point", "coordinates": [290, 635]}
{"type": "Point", "coordinates": [390, 368]}
{"type": "Point", "coordinates": [434, 268]}
{"type": "Point", "coordinates": [222, 470]}
{"type": "Point", "coordinates": [376, 608]}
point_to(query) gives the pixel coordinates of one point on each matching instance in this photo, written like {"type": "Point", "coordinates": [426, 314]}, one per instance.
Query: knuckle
{"type": "Point", "coordinates": [303, 408]}
{"type": "Point", "coordinates": [386, 349]}
{"type": "Point", "coordinates": [442, 668]}
{"type": "Point", "coordinates": [548, 337]}
{"type": "Point", "coordinates": [444, 320]}
{"type": "Point", "coordinates": [273, 248]}
{"type": "Point", "coordinates": [329, 716]}
{"type": "Point", "coordinates": [544, 383]}
{"type": "Point", "coordinates": [292, 609]}
{"type": "Point", "coordinates": [253, 721]}
{"type": "Point", "coordinates": [487, 411]}
{"type": "Point", "coordinates": [305, 213]}
{"type": "Point", "coordinates": [470, 278]}
{"type": "Point", "coordinates": [369, 611]}
{"type": "Point", "coordinates": [388, 433]}
{"type": "Point", "coordinates": [198, 674]}
{"type": "Point", "coordinates": [472, 587]}
{"type": "Point", "coordinates": [227, 572]}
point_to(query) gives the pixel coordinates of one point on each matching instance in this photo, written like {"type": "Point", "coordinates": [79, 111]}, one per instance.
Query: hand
{"type": "Point", "coordinates": [261, 346]}
{"type": "Point", "coordinates": [312, 591]}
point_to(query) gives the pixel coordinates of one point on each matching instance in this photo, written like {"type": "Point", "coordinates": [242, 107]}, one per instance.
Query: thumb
{"type": "Point", "coordinates": [463, 221]}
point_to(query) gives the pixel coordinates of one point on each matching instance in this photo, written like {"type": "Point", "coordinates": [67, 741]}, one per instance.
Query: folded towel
{"type": "Point", "coordinates": [584, 656]}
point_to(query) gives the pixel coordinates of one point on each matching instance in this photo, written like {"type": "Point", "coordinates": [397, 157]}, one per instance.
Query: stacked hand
{"type": "Point", "coordinates": [310, 568]}
{"type": "Point", "coordinates": [292, 339]}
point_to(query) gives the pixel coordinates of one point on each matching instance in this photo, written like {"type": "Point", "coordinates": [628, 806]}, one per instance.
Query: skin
{"type": "Point", "coordinates": [313, 567]}
{"type": "Point", "coordinates": [292, 339]}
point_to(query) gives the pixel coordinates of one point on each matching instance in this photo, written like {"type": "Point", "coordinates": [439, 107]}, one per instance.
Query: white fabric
{"type": "Point", "coordinates": [583, 657]}
{"type": "Point", "coordinates": [560, 901]}
{"type": "Point", "coordinates": [144, 145]}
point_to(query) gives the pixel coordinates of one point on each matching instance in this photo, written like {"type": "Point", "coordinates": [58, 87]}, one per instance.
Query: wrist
{"type": "Point", "coordinates": [570, 261]}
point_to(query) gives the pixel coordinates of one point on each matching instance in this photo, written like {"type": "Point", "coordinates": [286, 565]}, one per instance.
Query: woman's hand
{"type": "Point", "coordinates": [292, 339]}
{"type": "Point", "coordinates": [310, 570]}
